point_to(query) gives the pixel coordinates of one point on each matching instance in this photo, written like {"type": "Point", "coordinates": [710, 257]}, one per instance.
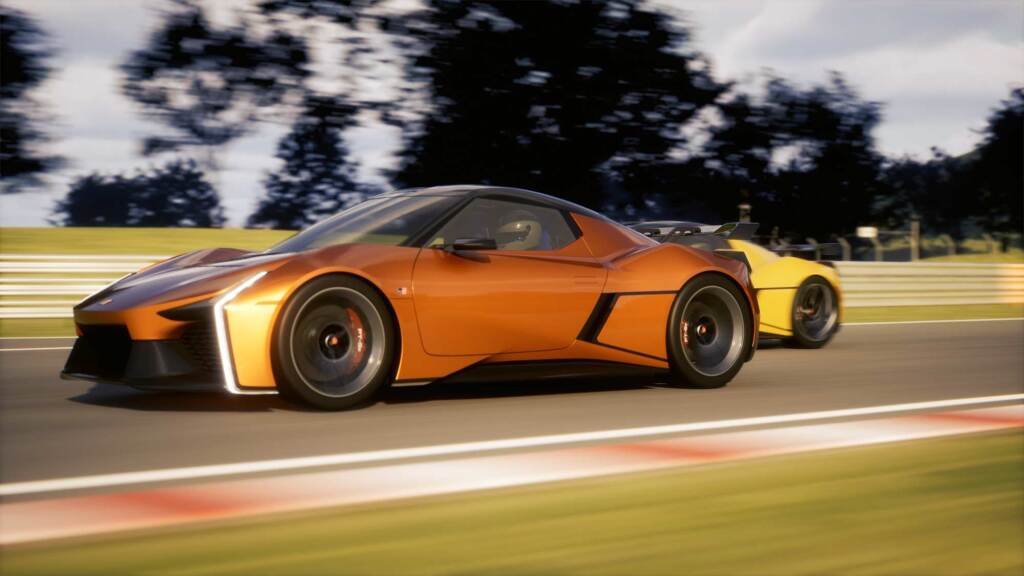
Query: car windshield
{"type": "Point", "coordinates": [387, 220]}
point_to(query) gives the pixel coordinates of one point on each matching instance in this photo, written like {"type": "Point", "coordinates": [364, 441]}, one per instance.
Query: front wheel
{"type": "Point", "coordinates": [710, 331]}
{"type": "Point", "coordinates": [815, 313]}
{"type": "Point", "coordinates": [334, 344]}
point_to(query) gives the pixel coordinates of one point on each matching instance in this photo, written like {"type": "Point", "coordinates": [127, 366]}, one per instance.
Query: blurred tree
{"type": "Point", "coordinates": [317, 177]}
{"type": "Point", "coordinates": [176, 194]}
{"type": "Point", "coordinates": [210, 84]}
{"type": "Point", "coordinates": [346, 12]}
{"type": "Point", "coordinates": [983, 188]}
{"type": "Point", "coordinates": [571, 98]}
{"type": "Point", "coordinates": [733, 165]}
{"type": "Point", "coordinates": [998, 168]}
{"type": "Point", "coordinates": [24, 56]}
{"type": "Point", "coordinates": [804, 158]}
{"type": "Point", "coordinates": [936, 191]}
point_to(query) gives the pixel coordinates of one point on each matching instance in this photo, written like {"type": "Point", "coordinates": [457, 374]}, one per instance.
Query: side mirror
{"type": "Point", "coordinates": [473, 244]}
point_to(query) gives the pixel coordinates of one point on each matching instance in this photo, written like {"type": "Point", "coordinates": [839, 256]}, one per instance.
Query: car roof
{"type": "Point", "coordinates": [466, 190]}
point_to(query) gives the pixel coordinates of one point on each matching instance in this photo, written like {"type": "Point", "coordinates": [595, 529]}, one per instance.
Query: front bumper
{"type": "Point", "coordinates": [177, 345]}
{"type": "Point", "coordinates": [106, 353]}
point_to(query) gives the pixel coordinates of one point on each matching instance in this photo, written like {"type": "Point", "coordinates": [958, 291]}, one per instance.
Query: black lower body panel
{"type": "Point", "coordinates": [108, 354]}
{"type": "Point", "coordinates": [550, 370]}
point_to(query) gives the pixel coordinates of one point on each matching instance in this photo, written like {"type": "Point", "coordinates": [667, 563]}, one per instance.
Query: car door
{"type": "Point", "coordinates": [532, 290]}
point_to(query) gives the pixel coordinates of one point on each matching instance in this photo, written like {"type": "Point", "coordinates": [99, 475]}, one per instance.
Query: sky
{"type": "Point", "coordinates": [939, 67]}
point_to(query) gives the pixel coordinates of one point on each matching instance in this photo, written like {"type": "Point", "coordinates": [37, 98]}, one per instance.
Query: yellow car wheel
{"type": "Point", "coordinates": [815, 313]}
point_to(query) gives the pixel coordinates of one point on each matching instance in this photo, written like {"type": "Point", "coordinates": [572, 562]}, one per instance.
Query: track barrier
{"type": "Point", "coordinates": [49, 285]}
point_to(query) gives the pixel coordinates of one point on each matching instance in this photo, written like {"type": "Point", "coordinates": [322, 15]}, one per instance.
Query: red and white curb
{"type": "Point", "coordinates": [32, 520]}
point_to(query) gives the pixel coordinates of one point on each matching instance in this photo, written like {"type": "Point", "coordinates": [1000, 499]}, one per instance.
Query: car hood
{"type": "Point", "coordinates": [190, 275]}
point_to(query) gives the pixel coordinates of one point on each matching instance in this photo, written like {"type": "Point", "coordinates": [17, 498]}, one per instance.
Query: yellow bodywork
{"type": "Point", "coordinates": [776, 280]}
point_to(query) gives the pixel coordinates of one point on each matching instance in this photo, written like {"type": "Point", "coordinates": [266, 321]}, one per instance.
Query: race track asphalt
{"type": "Point", "coordinates": [50, 428]}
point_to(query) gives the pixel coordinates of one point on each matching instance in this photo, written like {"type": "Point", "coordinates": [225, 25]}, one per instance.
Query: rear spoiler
{"type": "Point", "coordinates": [730, 230]}
{"type": "Point", "coordinates": [735, 255]}
{"type": "Point", "coordinates": [823, 249]}
{"type": "Point", "coordinates": [737, 230]}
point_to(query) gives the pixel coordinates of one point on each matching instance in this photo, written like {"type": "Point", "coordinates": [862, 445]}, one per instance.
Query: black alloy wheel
{"type": "Point", "coordinates": [334, 344]}
{"type": "Point", "coordinates": [815, 313]}
{"type": "Point", "coordinates": [710, 332]}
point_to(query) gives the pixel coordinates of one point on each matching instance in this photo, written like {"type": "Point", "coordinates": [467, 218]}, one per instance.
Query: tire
{"type": "Point", "coordinates": [815, 313]}
{"type": "Point", "coordinates": [710, 331]}
{"type": "Point", "coordinates": [334, 344]}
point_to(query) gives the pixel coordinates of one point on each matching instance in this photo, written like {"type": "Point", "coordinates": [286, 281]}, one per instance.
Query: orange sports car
{"type": "Point", "coordinates": [458, 282]}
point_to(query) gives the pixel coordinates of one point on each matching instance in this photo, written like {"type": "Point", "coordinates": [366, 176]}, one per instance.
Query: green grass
{"type": "Point", "coordinates": [154, 241]}
{"type": "Point", "coordinates": [957, 312]}
{"type": "Point", "coordinates": [934, 249]}
{"type": "Point", "coordinates": [34, 327]}
{"type": "Point", "coordinates": [949, 506]}
{"type": "Point", "coordinates": [1014, 256]}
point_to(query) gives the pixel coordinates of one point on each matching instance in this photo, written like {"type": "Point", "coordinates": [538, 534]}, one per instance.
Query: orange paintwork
{"type": "Point", "coordinates": [453, 311]}
{"type": "Point", "coordinates": [628, 326]}
{"type": "Point", "coordinates": [608, 242]}
{"type": "Point", "coordinates": [504, 301]}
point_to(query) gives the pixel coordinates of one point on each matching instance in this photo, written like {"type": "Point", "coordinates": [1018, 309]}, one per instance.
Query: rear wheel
{"type": "Point", "coordinates": [334, 344]}
{"type": "Point", "coordinates": [815, 313]}
{"type": "Point", "coordinates": [709, 332]}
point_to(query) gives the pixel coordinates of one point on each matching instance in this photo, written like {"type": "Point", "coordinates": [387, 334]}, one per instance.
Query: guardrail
{"type": "Point", "coordinates": [922, 283]}
{"type": "Point", "coordinates": [49, 285]}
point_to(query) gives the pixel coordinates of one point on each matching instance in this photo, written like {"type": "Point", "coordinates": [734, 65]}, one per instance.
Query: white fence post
{"type": "Point", "coordinates": [844, 244]}
{"type": "Point", "coordinates": [949, 242]}
{"type": "Point", "coordinates": [879, 255]}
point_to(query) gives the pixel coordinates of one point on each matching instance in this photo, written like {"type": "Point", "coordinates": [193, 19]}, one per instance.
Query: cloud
{"type": "Point", "coordinates": [88, 29]}
{"type": "Point", "coordinates": [836, 28]}
{"type": "Point", "coordinates": [939, 67]}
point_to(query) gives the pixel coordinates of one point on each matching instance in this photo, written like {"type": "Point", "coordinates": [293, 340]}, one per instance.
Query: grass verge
{"type": "Point", "coordinates": [910, 313]}
{"type": "Point", "coordinates": [1014, 256]}
{"type": "Point", "coordinates": [948, 506]}
{"type": "Point", "coordinates": [36, 327]}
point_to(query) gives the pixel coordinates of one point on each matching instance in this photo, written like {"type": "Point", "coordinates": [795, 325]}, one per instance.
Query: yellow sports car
{"type": "Point", "coordinates": [799, 299]}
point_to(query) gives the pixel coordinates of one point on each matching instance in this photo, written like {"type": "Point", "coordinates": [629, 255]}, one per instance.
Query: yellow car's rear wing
{"type": "Point", "coordinates": [737, 230]}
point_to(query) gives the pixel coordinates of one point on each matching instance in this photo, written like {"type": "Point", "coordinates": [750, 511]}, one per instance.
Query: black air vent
{"type": "Point", "coordinates": [102, 350]}
{"type": "Point", "coordinates": [200, 340]}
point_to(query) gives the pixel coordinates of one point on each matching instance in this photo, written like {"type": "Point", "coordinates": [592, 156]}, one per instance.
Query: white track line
{"type": "Point", "coordinates": [34, 349]}
{"type": "Point", "coordinates": [66, 516]}
{"type": "Point", "coordinates": [930, 321]}
{"type": "Point", "coordinates": [194, 472]}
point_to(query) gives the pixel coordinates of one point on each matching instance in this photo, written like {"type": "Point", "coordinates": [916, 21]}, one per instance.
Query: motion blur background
{"type": "Point", "coordinates": [821, 116]}
{"type": "Point", "coordinates": [132, 130]}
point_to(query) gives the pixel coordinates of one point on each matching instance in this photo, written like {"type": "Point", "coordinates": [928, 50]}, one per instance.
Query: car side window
{"type": "Point", "coordinates": [512, 225]}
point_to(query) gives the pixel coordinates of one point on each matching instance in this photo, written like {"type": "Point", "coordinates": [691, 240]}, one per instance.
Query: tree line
{"type": "Point", "coordinates": [608, 104]}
